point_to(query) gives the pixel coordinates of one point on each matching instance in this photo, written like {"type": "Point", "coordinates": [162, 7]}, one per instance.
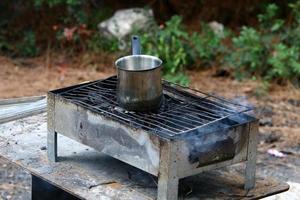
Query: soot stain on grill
{"type": "Point", "coordinates": [114, 138]}
{"type": "Point", "coordinates": [212, 152]}
{"type": "Point", "coordinates": [220, 143]}
{"type": "Point", "coordinates": [216, 146]}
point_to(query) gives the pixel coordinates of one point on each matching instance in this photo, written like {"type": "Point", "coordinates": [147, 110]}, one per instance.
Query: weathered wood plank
{"type": "Point", "coordinates": [88, 174]}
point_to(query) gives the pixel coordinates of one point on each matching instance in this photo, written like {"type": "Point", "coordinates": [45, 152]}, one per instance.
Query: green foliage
{"type": "Point", "coordinates": [207, 44]}
{"type": "Point", "coordinates": [170, 44]}
{"type": "Point", "coordinates": [52, 3]}
{"type": "Point", "coordinates": [53, 19]}
{"type": "Point", "coordinates": [295, 10]}
{"type": "Point", "coordinates": [271, 51]}
{"type": "Point", "coordinates": [27, 47]}
{"type": "Point", "coordinates": [98, 15]}
{"type": "Point", "coordinates": [285, 62]}
{"type": "Point", "coordinates": [74, 9]}
{"type": "Point", "coordinates": [97, 43]}
{"type": "Point", "coordinates": [180, 50]}
{"type": "Point", "coordinates": [4, 45]}
{"type": "Point", "coordinates": [290, 35]}
{"type": "Point", "coordinates": [269, 21]}
{"type": "Point", "coordinates": [180, 78]}
{"type": "Point", "coordinates": [249, 53]}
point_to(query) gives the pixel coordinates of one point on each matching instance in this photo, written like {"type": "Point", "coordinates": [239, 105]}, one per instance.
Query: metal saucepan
{"type": "Point", "coordinates": [139, 86]}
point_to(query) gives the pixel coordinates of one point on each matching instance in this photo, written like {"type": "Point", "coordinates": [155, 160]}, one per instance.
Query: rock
{"type": "Point", "coordinates": [267, 121]}
{"type": "Point", "coordinates": [43, 148]}
{"type": "Point", "coordinates": [266, 111]}
{"type": "Point", "coordinates": [124, 21]}
{"type": "Point", "coordinates": [294, 102]}
{"type": "Point", "coordinates": [271, 138]}
{"type": "Point", "coordinates": [222, 73]}
{"type": "Point", "coordinates": [217, 28]}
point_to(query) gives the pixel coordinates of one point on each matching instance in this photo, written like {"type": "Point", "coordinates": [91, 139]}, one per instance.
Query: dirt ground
{"type": "Point", "coordinates": [279, 109]}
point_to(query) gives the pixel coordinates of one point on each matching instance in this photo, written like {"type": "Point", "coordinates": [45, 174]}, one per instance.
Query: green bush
{"type": "Point", "coordinates": [269, 21]}
{"type": "Point", "coordinates": [284, 62]}
{"type": "Point", "coordinates": [271, 51]}
{"type": "Point", "coordinates": [77, 11]}
{"type": "Point", "coordinates": [171, 45]}
{"type": "Point", "coordinates": [74, 9]}
{"type": "Point", "coordinates": [27, 47]}
{"type": "Point", "coordinates": [97, 43]}
{"type": "Point", "coordinates": [248, 55]}
{"type": "Point", "coordinates": [207, 44]}
{"type": "Point", "coordinates": [52, 3]}
{"type": "Point", "coordinates": [290, 35]}
{"type": "Point", "coordinates": [4, 44]}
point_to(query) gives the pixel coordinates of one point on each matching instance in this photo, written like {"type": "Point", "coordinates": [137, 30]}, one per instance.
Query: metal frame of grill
{"type": "Point", "coordinates": [180, 113]}
{"type": "Point", "coordinates": [191, 132]}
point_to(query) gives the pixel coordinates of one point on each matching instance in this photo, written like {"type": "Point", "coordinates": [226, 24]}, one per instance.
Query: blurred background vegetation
{"type": "Point", "coordinates": [260, 39]}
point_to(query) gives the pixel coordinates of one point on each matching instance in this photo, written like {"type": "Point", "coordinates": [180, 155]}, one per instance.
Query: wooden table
{"type": "Point", "coordinates": [83, 173]}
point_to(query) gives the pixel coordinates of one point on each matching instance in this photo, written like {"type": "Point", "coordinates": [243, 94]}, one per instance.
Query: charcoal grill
{"type": "Point", "coordinates": [192, 131]}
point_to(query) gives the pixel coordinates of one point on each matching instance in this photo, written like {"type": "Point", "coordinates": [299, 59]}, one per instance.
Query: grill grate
{"type": "Point", "coordinates": [183, 109]}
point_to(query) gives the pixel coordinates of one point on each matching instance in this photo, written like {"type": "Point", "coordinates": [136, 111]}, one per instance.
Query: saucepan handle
{"type": "Point", "coordinates": [135, 45]}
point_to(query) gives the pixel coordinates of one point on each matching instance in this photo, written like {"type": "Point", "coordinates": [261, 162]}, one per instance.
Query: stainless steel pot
{"type": "Point", "coordinates": [139, 86]}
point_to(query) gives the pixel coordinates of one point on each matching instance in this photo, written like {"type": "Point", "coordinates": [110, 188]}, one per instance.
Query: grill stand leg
{"type": "Point", "coordinates": [167, 178]}
{"type": "Point", "coordinates": [251, 157]}
{"type": "Point", "coordinates": [52, 135]}
{"type": "Point", "coordinates": [52, 146]}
